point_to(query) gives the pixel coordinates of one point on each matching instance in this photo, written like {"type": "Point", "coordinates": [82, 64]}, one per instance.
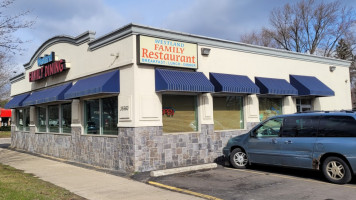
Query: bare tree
{"type": "Point", "coordinates": [4, 78]}
{"type": "Point", "coordinates": [308, 26]}
{"type": "Point", "coordinates": [9, 24]}
{"type": "Point", "coordinates": [260, 38]}
{"type": "Point", "coordinates": [9, 43]}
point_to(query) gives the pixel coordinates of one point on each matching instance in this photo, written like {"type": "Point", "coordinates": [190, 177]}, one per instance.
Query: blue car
{"type": "Point", "coordinates": [323, 141]}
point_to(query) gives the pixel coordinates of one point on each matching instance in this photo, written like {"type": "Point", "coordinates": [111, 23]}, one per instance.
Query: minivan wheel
{"type": "Point", "coordinates": [336, 170]}
{"type": "Point", "coordinates": [238, 159]}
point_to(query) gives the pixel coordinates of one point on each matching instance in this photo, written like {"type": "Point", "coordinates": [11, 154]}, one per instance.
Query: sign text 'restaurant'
{"type": "Point", "coordinates": [166, 52]}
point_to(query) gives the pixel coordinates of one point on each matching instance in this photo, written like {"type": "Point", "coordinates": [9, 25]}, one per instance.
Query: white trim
{"type": "Point", "coordinates": [75, 125]}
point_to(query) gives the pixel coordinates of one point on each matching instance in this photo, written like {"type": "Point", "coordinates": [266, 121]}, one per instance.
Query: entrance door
{"type": "Point", "coordinates": [304, 105]}
{"type": "Point", "coordinates": [305, 108]}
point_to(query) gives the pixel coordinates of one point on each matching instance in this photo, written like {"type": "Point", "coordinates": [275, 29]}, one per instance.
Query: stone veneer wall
{"type": "Point", "coordinates": [134, 149]}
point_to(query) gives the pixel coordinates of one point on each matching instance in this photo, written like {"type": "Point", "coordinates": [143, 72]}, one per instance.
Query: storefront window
{"type": "Point", "coordinates": [41, 119]}
{"type": "Point", "coordinates": [101, 116]}
{"type": "Point", "coordinates": [269, 107]}
{"type": "Point", "coordinates": [26, 116]}
{"type": "Point", "coordinates": [20, 120]}
{"type": "Point", "coordinates": [48, 118]}
{"type": "Point", "coordinates": [53, 119]}
{"type": "Point", "coordinates": [179, 113]}
{"type": "Point", "coordinates": [228, 113]}
{"type": "Point", "coordinates": [110, 115]}
{"type": "Point", "coordinates": [66, 110]}
{"type": "Point", "coordinates": [23, 119]}
{"type": "Point", "coordinates": [92, 123]}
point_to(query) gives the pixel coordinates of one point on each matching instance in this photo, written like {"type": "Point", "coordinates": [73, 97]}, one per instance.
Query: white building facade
{"type": "Point", "coordinates": [141, 98]}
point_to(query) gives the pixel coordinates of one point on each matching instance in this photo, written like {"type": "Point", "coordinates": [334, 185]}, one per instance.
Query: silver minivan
{"type": "Point", "coordinates": [323, 141]}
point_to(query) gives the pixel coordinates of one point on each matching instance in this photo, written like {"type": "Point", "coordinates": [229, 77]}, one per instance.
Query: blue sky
{"type": "Point", "coordinates": [225, 19]}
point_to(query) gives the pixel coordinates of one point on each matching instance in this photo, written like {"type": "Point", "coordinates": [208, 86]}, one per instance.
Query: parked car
{"type": "Point", "coordinates": [323, 141]}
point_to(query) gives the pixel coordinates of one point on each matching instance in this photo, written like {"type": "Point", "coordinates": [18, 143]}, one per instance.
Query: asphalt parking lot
{"type": "Point", "coordinates": [260, 182]}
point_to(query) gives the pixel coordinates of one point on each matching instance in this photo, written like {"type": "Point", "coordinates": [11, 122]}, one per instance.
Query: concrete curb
{"type": "Point", "coordinates": [166, 172]}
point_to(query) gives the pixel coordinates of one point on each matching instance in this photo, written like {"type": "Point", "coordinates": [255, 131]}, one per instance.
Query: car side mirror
{"type": "Point", "coordinates": [252, 134]}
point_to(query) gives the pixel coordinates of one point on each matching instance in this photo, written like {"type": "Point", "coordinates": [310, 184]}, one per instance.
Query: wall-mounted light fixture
{"type": "Point", "coordinates": [205, 51]}
{"type": "Point", "coordinates": [116, 55]}
{"type": "Point", "coordinates": [332, 68]}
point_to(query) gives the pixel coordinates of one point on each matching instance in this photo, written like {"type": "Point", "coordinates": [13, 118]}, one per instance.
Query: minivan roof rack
{"type": "Point", "coordinates": [327, 111]}
{"type": "Point", "coordinates": [312, 111]}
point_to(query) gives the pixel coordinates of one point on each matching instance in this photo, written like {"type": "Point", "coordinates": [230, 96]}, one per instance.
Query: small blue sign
{"type": "Point", "coordinates": [46, 59]}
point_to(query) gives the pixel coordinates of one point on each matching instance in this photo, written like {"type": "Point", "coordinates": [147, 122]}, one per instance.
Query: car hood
{"type": "Point", "coordinates": [238, 139]}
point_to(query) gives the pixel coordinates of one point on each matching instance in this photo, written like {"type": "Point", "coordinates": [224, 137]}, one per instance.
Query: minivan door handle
{"type": "Point", "coordinates": [288, 142]}
{"type": "Point", "coordinates": [274, 141]}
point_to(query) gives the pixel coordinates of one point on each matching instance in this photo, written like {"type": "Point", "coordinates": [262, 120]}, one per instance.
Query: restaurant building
{"type": "Point", "coordinates": [141, 98]}
{"type": "Point", "coordinates": [5, 117]}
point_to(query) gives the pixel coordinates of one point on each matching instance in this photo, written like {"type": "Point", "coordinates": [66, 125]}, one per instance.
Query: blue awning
{"type": "Point", "coordinates": [310, 86]}
{"type": "Point", "coordinates": [173, 80]}
{"type": "Point", "coordinates": [275, 86]}
{"type": "Point", "coordinates": [104, 83]}
{"type": "Point", "coordinates": [230, 83]}
{"type": "Point", "coordinates": [47, 95]}
{"type": "Point", "coordinates": [16, 101]}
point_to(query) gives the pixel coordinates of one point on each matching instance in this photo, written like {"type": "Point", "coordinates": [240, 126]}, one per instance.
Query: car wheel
{"type": "Point", "coordinates": [336, 170]}
{"type": "Point", "coordinates": [238, 159]}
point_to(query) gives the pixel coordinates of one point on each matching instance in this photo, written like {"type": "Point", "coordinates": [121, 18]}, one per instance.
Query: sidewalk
{"type": "Point", "coordinates": [87, 183]}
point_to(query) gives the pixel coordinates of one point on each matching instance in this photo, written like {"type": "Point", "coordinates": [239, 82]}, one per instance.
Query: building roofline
{"type": "Point", "coordinates": [17, 78]}
{"type": "Point", "coordinates": [78, 40]}
{"type": "Point", "coordinates": [136, 29]}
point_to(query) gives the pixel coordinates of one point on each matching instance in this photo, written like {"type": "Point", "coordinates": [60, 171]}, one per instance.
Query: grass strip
{"type": "Point", "coordinates": [15, 184]}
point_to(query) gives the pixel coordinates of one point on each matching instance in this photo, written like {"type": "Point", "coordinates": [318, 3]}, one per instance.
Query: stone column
{"type": "Point", "coordinates": [251, 108]}
{"type": "Point", "coordinates": [32, 115]}
{"type": "Point", "coordinates": [289, 105]}
{"type": "Point", "coordinates": [76, 127]}
{"type": "Point", "coordinates": [76, 119]}
{"type": "Point", "coordinates": [33, 119]}
{"type": "Point", "coordinates": [13, 118]}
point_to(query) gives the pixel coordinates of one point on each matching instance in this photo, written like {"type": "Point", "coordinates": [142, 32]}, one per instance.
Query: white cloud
{"type": "Point", "coordinates": [66, 17]}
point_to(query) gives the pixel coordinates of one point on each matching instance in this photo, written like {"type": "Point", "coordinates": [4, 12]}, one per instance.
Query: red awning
{"type": "Point", "coordinates": [5, 112]}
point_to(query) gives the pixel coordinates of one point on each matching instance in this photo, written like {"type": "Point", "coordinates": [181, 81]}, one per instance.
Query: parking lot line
{"type": "Point", "coordinates": [183, 191]}
{"type": "Point", "coordinates": [288, 177]}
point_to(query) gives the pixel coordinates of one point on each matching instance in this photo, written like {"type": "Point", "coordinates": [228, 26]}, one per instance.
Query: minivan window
{"type": "Point", "coordinates": [337, 126]}
{"type": "Point", "coordinates": [270, 128]}
{"type": "Point", "coordinates": [300, 127]}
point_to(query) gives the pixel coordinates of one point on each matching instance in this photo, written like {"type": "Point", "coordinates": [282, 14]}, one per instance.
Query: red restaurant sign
{"type": "Point", "coordinates": [5, 112]}
{"type": "Point", "coordinates": [48, 68]}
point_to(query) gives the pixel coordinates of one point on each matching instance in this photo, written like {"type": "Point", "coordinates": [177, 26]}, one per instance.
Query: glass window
{"type": "Point", "coordinates": [300, 127]}
{"type": "Point", "coordinates": [337, 126]}
{"type": "Point", "coordinates": [110, 115]}
{"type": "Point", "coordinates": [20, 120]}
{"type": "Point", "coordinates": [23, 119]}
{"type": "Point", "coordinates": [269, 107]}
{"type": "Point", "coordinates": [228, 113]}
{"type": "Point", "coordinates": [92, 118]}
{"type": "Point", "coordinates": [270, 128]}
{"type": "Point", "coordinates": [41, 119]}
{"type": "Point", "coordinates": [101, 116]}
{"type": "Point", "coordinates": [179, 113]}
{"type": "Point", "coordinates": [26, 117]}
{"type": "Point", "coordinates": [66, 110]}
{"type": "Point", "coordinates": [53, 119]}
{"type": "Point", "coordinates": [48, 118]}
